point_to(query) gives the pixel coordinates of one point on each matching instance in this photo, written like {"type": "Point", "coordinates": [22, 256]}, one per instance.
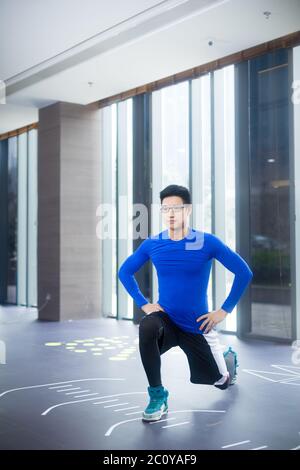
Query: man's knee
{"type": "Point", "coordinates": [149, 326]}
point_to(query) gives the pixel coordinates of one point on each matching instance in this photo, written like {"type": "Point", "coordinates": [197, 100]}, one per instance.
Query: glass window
{"type": "Point", "coordinates": [117, 196]}
{"type": "Point", "coordinates": [12, 220]}
{"type": "Point", "coordinates": [109, 229]}
{"type": "Point", "coordinates": [201, 159]}
{"type": "Point", "coordinates": [175, 134]}
{"type": "Point", "coordinates": [170, 148]}
{"type": "Point", "coordinates": [270, 195]}
{"type": "Point", "coordinates": [224, 181]}
{"type": "Point", "coordinates": [22, 218]}
{"type": "Point", "coordinates": [125, 198]}
{"type": "Point", "coordinates": [32, 219]}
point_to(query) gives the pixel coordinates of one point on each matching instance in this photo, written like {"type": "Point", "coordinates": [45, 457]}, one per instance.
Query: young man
{"type": "Point", "coordinates": [182, 257]}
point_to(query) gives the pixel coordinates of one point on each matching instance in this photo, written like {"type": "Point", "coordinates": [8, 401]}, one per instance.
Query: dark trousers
{"type": "Point", "coordinates": [158, 333]}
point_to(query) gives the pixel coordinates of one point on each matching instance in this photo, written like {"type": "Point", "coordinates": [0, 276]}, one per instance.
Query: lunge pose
{"type": "Point", "coordinates": [182, 257]}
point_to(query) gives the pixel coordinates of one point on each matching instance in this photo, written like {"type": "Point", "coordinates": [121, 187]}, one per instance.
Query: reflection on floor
{"type": "Point", "coordinates": [81, 385]}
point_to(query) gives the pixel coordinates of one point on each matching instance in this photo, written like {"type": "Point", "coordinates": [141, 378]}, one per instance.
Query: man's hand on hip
{"type": "Point", "coordinates": [211, 319]}
{"type": "Point", "coordinates": [149, 308]}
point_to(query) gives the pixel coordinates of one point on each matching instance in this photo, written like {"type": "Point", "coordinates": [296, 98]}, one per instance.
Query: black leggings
{"type": "Point", "coordinates": [158, 333]}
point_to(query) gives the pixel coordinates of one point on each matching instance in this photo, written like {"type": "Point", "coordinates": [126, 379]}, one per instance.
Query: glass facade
{"type": "Point", "coordinates": [193, 143]}
{"type": "Point", "coordinates": [12, 189]}
{"type": "Point", "coordinates": [270, 195]}
{"type": "Point", "coordinates": [18, 181]}
{"type": "Point", "coordinates": [117, 243]}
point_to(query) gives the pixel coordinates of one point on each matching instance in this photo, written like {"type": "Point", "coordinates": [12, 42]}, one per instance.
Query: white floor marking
{"type": "Point", "coordinates": [60, 386]}
{"type": "Point", "coordinates": [161, 420]}
{"type": "Point", "coordinates": [86, 395]}
{"type": "Point", "coordinates": [68, 392]}
{"type": "Point", "coordinates": [235, 444]}
{"type": "Point", "coordinates": [106, 401]}
{"type": "Point", "coordinates": [129, 408]}
{"type": "Point", "coordinates": [295, 369]}
{"type": "Point", "coordinates": [289, 376]}
{"type": "Point", "coordinates": [292, 379]}
{"type": "Point", "coordinates": [259, 448]}
{"type": "Point", "coordinates": [177, 424]}
{"type": "Point", "coordinates": [110, 430]}
{"type": "Point", "coordinates": [118, 404]}
{"type": "Point", "coordinates": [133, 413]}
{"type": "Point", "coordinates": [89, 399]}
{"type": "Point", "coordinates": [54, 383]}
{"type": "Point", "coordinates": [253, 372]}
{"type": "Point", "coordinates": [74, 393]}
{"type": "Point", "coordinates": [114, 426]}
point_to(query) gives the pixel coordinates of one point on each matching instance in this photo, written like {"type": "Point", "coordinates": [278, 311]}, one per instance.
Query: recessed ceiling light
{"type": "Point", "coordinates": [267, 14]}
{"type": "Point", "coordinates": [271, 160]}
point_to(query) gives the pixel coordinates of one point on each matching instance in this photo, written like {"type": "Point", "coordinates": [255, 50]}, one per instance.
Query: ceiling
{"type": "Point", "coordinates": [69, 50]}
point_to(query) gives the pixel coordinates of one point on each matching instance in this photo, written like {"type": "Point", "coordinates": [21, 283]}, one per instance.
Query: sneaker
{"type": "Point", "coordinates": [230, 357]}
{"type": "Point", "coordinates": [158, 405]}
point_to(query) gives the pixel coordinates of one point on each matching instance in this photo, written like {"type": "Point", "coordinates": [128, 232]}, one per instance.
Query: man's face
{"type": "Point", "coordinates": [176, 216]}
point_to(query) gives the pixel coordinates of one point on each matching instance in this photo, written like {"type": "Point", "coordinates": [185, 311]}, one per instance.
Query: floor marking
{"type": "Point", "coordinates": [106, 401]}
{"type": "Point", "coordinates": [88, 399]}
{"type": "Point", "coordinates": [74, 393]}
{"type": "Point", "coordinates": [55, 383]}
{"type": "Point", "coordinates": [114, 426]}
{"type": "Point", "coordinates": [178, 424]}
{"type": "Point", "coordinates": [235, 444]}
{"type": "Point", "coordinates": [133, 413]}
{"type": "Point", "coordinates": [110, 430]}
{"type": "Point", "coordinates": [259, 448]}
{"type": "Point", "coordinates": [296, 370]}
{"type": "Point", "coordinates": [86, 395]}
{"type": "Point", "coordinates": [253, 372]}
{"type": "Point", "coordinates": [118, 404]}
{"type": "Point", "coordinates": [161, 420]}
{"type": "Point", "coordinates": [284, 378]}
{"type": "Point", "coordinates": [292, 379]}
{"type": "Point", "coordinates": [68, 390]}
{"type": "Point", "coordinates": [60, 386]}
{"type": "Point", "coordinates": [270, 372]}
{"type": "Point", "coordinates": [129, 408]}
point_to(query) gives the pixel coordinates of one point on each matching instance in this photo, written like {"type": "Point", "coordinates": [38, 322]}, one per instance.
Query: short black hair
{"type": "Point", "coordinates": [176, 190]}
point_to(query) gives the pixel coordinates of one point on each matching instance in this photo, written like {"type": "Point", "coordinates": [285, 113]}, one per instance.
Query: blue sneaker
{"type": "Point", "coordinates": [158, 405]}
{"type": "Point", "coordinates": [230, 357]}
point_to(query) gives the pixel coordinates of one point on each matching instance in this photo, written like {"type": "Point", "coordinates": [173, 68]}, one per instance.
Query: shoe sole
{"type": "Point", "coordinates": [154, 418]}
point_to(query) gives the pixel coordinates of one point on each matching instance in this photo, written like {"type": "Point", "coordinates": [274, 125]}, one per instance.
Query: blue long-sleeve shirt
{"type": "Point", "coordinates": [183, 268]}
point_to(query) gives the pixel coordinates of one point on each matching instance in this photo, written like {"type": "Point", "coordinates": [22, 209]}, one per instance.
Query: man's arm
{"type": "Point", "coordinates": [131, 265]}
{"type": "Point", "coordinates": [237, 265]}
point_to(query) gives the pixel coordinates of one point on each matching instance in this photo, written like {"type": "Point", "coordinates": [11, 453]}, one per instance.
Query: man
{"type": "Point", "coordinates": [182, 257]}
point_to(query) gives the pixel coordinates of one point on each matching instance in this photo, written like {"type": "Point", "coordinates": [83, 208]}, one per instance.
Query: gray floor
{"type": "Point", "coordinates": [90, 394]}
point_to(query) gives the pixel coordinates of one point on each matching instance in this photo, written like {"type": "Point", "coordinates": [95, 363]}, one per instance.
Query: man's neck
{"type": "Point", "coordinates": [178, 234]}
